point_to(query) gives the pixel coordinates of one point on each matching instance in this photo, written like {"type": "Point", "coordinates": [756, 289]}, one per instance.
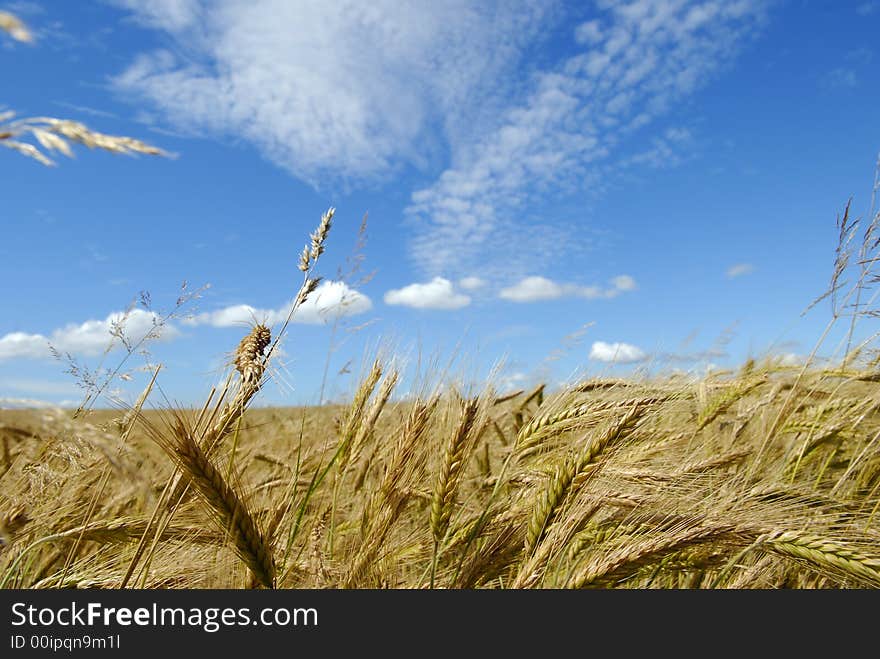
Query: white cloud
{"type": "Point", "coordinates": [86, 339]}
{"type": "Point", "coordinates": [7, 403]}
{"type": "Point", "coordinates": [667, 150]}
{"type": "Point", "coordinates": [588, 33]}
{"type": "Point", "coordinates": [331, 300]}
{"type": "Point", "coordinates": [867, 8]}
{"type": "Point", "coordinates": [624, 283]}
{"type": "Point", "coordinates": [841, 78]}
{"type": "Point", "coordinates": [329, 90]}
{"type": "Point", "coordinates": [616, 353]}
{"type": "Point", "coordinates": [534, 288]}
{"type": "Point", "coordinates": [471, 283]}
{"type": "Point", "coordinates": [513, 381]}
{"type": "Point", "coordinates": [438, 293]}
{"type": "Point", "coordinates": [791, 359]}
{"type": "Point", "coordinates": [172, 15]}
{"type": "Point", "coordinates": [739, 270]}
{"type": "Point", "coordinates": [359, 91]}
{"type": "Point", "coordinates": [569, 132]}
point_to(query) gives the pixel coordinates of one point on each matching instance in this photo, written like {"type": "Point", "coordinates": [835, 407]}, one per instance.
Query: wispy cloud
{"type": "Point", "coordinates": [439, 293]}
{"type": "Point", "coordinates": [360, 91]}
{"type": "Point", "coordinates": [8, 402]}
{"type": "Point", "coordinates": [638, 59]}
{"type": "Point", "coordinates": [867, 8]}
{"type": "Point", "coordinates": [841, 77]}
{"type": "Point", "coordinates": [329, 90]}
{"type": "Point", "coordinates": [330, 301]}
{"type": "Point", "coordinates": [39, 387]}
{"type": "Point", "coordinates": [84, 109]}
{"type": "Point", "coordinates": [739, 270]}
{"type": "Point", "coordinates": [89, 338]}
{"type": "Point", "coordinates": [535, 288]}
{"type": "Point", "coordinates": [172, 15]}
{"type": "Point", "coordinates": [617, 353]}
{"type": "Point", "coordinates": [472, 283]}
{"type": "Point", "coordinates": [861, 55]}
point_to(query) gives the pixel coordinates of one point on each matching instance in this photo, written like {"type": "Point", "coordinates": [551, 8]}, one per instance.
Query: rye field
{"type": "Point", "coordinates": [767, 476]}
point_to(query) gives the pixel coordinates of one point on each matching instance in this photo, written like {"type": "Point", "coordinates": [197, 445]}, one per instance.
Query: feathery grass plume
{"type": "Point", "coordinates": [14, 27]}
{"type": "Point", "coordinates": [53, 135]}
{"type": "Point", "coordinates": [227, 508]}
{"type": "Point", "coordinates": [315, 248]}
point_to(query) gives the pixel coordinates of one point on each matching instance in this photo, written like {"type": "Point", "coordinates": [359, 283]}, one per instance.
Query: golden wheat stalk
{"type": "Point", "coordinates": [607, 569]}
{"type": "Point", "coordinates": [565, 476]}
{"type": "Point", "coordinates": [825, 554]}
{"type": "Point", "coordinates": [454, 458]}
{"type": "Point", "coordinates": [228, 510]}
{"type": "Point", "coordinates": [531, 433]}
{"type": "Point", "coordinates": [385, 506]}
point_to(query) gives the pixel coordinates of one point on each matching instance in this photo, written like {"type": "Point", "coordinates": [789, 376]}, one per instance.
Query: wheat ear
{"type": "Point", "coordinates": [227, 508]}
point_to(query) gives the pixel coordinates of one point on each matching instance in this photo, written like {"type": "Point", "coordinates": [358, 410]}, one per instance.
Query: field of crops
{"type": "Point", "coordinates": [765, 478]}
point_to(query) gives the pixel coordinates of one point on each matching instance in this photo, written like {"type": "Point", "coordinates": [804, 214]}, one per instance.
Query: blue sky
{"type": "Point", "coordinates": [565, 188]}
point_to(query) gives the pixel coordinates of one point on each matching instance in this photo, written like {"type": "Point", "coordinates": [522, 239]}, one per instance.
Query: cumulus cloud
{"type": "Point", "coordinates": [739, 270]}
{"type": "Point", "coordinates": [89, 338]}
{"type": "Point", "coordinates": [617, 353]}
{"type": "Point", "coordinates": [439, 293]}
{"type": "Point", "coordinates": [532, 289]}
{"type": "Point", "coordinates": [535, 288]}
{"type": "Point", "coordinates": [331, 300]}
